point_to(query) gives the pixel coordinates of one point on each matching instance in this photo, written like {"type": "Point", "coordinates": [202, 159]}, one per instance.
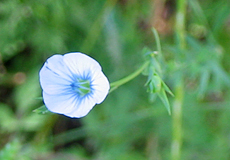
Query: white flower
{"type": "Point", "coordinates": [72, 84]}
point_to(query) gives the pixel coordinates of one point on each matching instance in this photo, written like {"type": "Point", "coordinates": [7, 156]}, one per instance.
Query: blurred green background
{"type": "Point", "coordinates": [127, 125]}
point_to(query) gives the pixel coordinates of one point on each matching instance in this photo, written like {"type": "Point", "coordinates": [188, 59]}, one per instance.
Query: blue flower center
{"type": "Point", "coordinates": [82, 87]}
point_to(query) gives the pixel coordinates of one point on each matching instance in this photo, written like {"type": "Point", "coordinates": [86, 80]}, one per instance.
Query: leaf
{"type": "Point", "coordinates": [156, 80]}
{"type": "Point", "coordinates": [42, 110]}
{"type": "Point", "coordinates": [164, 99]}
{"type": "Point", "coordinates": [204, 80]}
{"type": "Point", "coordinates": [166, 88]}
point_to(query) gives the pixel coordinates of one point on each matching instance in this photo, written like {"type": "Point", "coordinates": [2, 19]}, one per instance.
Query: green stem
{"type": "Point", "coordinates": [179, 88]}
{"type": "Point", "coordinates": [177, 121]}
{"type": "Point", "coordinates": [180, 22]}
{"type": "Point", "coordinates": [122, 81]}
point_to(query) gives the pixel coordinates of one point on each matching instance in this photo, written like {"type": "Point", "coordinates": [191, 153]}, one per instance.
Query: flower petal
{"type": "Point", "coordinates": [100, 86]}
{"type": "Point", "coordinates": [54, 76]}
{"type": "Point", "coordinates": [62, 103]}
{"type": "Point", "coordinates": [84, 106]}
{"type": "Point", "coordinates": [80, 64]}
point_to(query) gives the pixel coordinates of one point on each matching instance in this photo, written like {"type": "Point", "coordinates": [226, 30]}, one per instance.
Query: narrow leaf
{"type": "Point", "coordinates": [164, 99]}
{"type": "Point", "coordinates": [204, 80]}
{"type": "Point", "coordinates": [166, 88]}
{"type": "Point", "coordinates": [42, 110]}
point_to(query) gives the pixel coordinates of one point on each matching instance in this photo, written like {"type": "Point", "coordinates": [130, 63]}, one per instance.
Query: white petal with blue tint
{"type": "Point", "coordinates": [99, 84]}
{"type": "Point", "coordinates": [84, 106]}
{"type": "Point", "coordinates": [72, 84]}
{"type": "Point", "coordinates": [80, 64]}
{"type": "Point", "coordinates": [62, 103]}
{"type": "Point", "coordinates": [54, 76]}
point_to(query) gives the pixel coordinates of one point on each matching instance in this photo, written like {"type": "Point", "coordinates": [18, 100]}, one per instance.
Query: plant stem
{"type": "Point", "coordinates": [180, 23]}
{"type": "Point", "coordinates": [179, 86]}
{"type": "Point", "coordinates": [122, 81]}
{"type": "Point", "coordinates": [177, 121]}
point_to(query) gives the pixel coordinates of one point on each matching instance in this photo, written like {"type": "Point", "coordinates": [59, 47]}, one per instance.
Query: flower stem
{"type": "Point", "coordinates": [124, 80]}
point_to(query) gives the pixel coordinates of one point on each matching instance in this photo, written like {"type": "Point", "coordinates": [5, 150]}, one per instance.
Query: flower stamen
{"type": "Point", "coordinates": [82, 87]}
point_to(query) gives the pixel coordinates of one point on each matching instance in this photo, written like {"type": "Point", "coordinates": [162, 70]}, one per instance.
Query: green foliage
{"type": "Point", "coordinates": [155, 83]}
{"type": "Point", "coordinates": [41, 110]}
{"type": "Point", "coordinates": [10, 151]}
{"type": "Point", "coordinates": [127, 125]}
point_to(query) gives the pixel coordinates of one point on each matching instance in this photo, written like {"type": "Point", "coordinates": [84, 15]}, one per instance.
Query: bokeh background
{"type": "Point", "coordinates": [128, 124]}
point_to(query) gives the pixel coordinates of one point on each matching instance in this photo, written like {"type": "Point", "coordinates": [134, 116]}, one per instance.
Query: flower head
{"type": "Point", "coordinates": [72, 84]}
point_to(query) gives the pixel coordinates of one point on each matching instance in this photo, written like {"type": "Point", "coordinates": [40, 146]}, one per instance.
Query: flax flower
{"type": "Point", "coordinates": [72, 84]}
